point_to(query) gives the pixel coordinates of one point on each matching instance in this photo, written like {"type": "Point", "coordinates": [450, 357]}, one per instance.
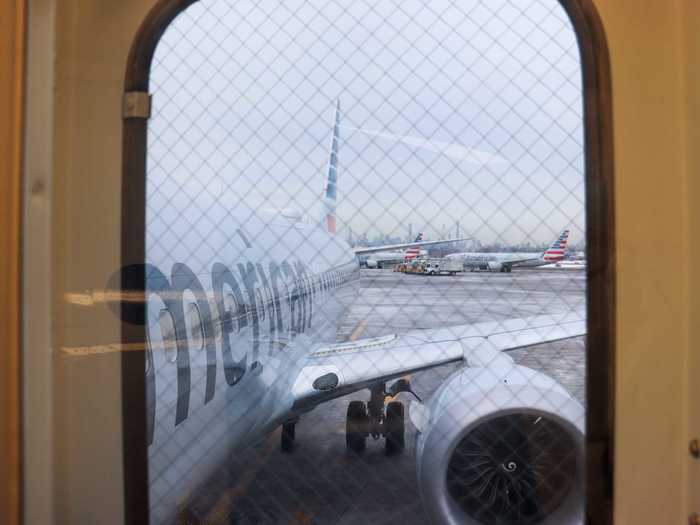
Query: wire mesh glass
{"type": "Point", "coordinates": [286, 136]}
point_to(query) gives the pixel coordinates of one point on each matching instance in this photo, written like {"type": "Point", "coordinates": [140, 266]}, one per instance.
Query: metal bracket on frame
{"type": "Point", "coordinates": [136, 104]}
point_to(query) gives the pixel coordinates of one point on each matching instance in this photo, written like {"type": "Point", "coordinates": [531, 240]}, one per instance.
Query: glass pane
{"type": "Point", "coordinates": [381, 205]}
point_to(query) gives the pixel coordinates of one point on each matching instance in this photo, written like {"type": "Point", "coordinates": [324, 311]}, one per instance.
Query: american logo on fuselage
{"type": "Point", "coordinates": [274, 301]}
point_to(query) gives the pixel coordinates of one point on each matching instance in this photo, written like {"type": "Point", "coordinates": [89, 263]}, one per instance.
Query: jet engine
{"type": "Point", "coordinates": [495, 266]}
{"type": "Point", "coordinates": [501, 445]}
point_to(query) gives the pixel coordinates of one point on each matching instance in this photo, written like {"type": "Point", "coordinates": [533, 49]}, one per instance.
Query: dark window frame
{"type": "Point", "coordinates": [600, 242]}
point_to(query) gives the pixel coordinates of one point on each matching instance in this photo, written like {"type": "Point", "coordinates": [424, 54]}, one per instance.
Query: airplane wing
{"type": "Point", "coordinates": [389, 247]}
{"type": "Point", "coordinates": [339, 369]}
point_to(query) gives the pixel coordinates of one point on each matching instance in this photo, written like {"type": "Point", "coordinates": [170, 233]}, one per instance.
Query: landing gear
{"type": "Point", "coordinates": [288, 436]}
{"type": "Point", "coordinates": [394, 428]}
{"type": "Point", "coordinates": [377, 420]}
{"type": "Point", "coordinates": [356, 427]}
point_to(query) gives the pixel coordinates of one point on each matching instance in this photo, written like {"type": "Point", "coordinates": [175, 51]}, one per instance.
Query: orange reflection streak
{"type": "Point", "coordinates": [94, 297]}
{"type": "Point", "coordinates": [109, 348]}
{"type": "Point", "coordinates": [80, 351]}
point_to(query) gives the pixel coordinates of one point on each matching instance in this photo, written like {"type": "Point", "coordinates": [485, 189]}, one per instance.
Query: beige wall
{"type": "Point", "coordinates": [692, 122]}
{"type": "Point", "coordinates": [645, 39]}
{"type": "Point", "coordinates": [656, 116]}
{"type": "Point", "coordinates": [91, 45]}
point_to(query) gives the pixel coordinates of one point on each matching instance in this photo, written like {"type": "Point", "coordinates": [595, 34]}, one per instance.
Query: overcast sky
{"type": "Point", "coordinates": [466, 111]}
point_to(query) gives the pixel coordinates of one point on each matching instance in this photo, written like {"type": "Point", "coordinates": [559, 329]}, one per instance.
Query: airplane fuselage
{"type": "Point", "coordinates": [479, 260]}
{"type": "Point", "coordinates": [228, 325]}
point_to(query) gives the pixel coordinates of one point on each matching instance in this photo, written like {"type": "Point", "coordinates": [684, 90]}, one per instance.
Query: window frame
{"type": "Point", "coordinates": [600, 242]}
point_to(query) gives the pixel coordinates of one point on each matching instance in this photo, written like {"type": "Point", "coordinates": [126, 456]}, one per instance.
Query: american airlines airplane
{"type": "Point", "coordinates": [242, 340]}
{"type": "Point", "coordinates": [504, 262]}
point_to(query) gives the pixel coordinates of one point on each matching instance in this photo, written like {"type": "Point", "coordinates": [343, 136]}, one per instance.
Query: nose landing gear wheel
{"type": "Point", "coordinates": [356, 427]}
{"type": "Point", "coordinates": [287, 438]}
{"type": "Point", "coordinates": [394, 429]}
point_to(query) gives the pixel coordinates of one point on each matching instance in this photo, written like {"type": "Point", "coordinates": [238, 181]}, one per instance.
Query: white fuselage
{"type": "Point", "coordinates": [230, 317]}
{"type": "Point", "coordinates": [485, 260]}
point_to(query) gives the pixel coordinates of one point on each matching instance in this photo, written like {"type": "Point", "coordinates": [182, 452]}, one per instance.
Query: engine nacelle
{"type": "Point", "coordinates": [501, 445]}
{"type": "Point", "coordinates": [494, 266]}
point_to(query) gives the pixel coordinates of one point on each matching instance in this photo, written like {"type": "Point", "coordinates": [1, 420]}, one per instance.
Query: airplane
{"type": "Point", "coordinates": [504, 262]}
{"type": "Point", "coordinates": [382, 259]}
{"type": "Point", "coordinates": [241, 340]}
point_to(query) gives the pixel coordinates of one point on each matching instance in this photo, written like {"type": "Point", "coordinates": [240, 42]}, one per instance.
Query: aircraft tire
{"type": "Point", "coordinates": [394, 429]}
{"type": "Point", "coordinates": [356, 427]}
{"type": "Point", "coordinates": [287, 438]}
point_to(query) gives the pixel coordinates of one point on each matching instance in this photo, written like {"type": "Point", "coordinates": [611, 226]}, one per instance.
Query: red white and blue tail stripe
{"type": "Point", "coordinates": [414, 251]}
{"type": "Point", "coordinates": [330, 190]}
{"type": "Point", "coordinates": [557, 249]}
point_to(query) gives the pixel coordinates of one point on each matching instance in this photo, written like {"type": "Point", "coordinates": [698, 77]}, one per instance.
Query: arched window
{"type": "Point", "coordinates": [350, 126]}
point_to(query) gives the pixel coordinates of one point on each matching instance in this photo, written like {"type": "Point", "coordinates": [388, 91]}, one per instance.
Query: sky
{"type": "Point", "coordinates": [467, 111]}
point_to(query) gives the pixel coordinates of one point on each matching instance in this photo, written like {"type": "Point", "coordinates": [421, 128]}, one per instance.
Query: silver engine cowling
{"type": "Point", "coordinates": [501, 445]}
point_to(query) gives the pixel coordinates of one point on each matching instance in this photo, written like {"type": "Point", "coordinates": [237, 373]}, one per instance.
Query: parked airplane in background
{"type": "Point", "coordinates": [242, 339]}
{"type": "Point", "coordinates": [384, 259]}
{"type": "Point", "coordinates": [504, 262]}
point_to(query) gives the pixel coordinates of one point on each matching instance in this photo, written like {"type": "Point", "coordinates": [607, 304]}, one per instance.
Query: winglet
{"type": "Point", "coordinates": [330, 190]}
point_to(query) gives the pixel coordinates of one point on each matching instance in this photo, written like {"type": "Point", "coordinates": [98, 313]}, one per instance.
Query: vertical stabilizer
{"type": "Point", "coordinates": [557, 249]}
{"type": "Point", "coordinates": [414, 251]}
{"type": "Point", "coordinates": [331, 187]}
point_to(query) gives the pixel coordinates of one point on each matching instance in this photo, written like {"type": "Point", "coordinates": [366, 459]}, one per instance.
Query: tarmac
{"type": "Point", "coordinates": [321, 482]}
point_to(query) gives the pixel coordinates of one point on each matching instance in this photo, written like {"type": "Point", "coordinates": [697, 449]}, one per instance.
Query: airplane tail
{"type": "Point", "coordinates": [414, 251]}
{"type": "Point", "coordinates": [331, 187]}
{"type": "Point", "coordinates": [557, 249]}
